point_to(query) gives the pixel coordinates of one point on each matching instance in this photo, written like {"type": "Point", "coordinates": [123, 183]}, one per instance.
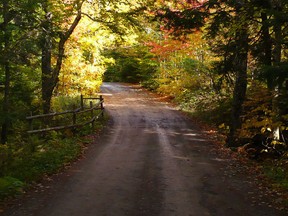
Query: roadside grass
{"type": "Point", "coordinates": [47, 156]}
{"type": "Point", "coordinates": [209, 108]}
{"type": "Point", "coordinates": [277, 170]}
{"type": "Point", "coordinates": [10, 186]}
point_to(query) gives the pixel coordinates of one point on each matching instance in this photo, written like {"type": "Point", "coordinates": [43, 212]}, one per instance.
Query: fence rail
{"type": "Point", "coordinates": [76, 112]}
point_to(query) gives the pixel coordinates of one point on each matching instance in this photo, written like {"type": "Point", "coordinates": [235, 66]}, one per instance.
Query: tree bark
{"type": "Point", "coordinates": [239, 95]}
{"type": "Point", "coordinates": [267, 46]}
{"type": "Point", "coordinates": [278, 36]}
{"type": "Point", "coordinates": [6, 66]}
{"type": "Point", "coordinates": [266, 40]}
{"type": "Point", "coordinates": [47, 72]}
{"type": "Point", "coordinates": [278, 24]}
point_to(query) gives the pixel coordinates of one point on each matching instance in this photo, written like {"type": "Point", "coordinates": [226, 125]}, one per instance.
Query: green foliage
{"type": "Point", "coordinates": [209, 106]}
{"type": "Point", "coordinates": [182, 77]}
{"type": "Point", "coordinates": [10, 186]}
{"type": "Point", "coordinates": [183, 20]}
{"type": "Point", "coordinates": [278, 171]}
{"type": "Point", "coordinates": [275, 75]}
{"type": "Point", "coordinates": [132, 64]}
{"type": "Point", "coordinates": [4, 157]}
{"type": "Point", "coordinates": [29, 160]}
{"type": "Point", "coordinates": [62, 103]}
{"type": "Point", "coordinates": [42, 156]}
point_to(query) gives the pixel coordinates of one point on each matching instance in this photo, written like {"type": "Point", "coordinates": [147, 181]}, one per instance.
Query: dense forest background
{"type": "Point", "coordinates": [225, 62]}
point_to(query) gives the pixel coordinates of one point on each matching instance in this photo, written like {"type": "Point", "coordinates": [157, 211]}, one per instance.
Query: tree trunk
{"type": "Point", "coordinates": [47, 82]}
{"type": "Point", "coordinates": [6, 105]}
{"type": "Point", "coordinates": [267, 46]}
{"type": "Point", "coordinates": [267, 40]}
{"type": "Point", "coordinates": [239, 93]}
{"type": "Point", "coordinates": [50, 75]}
{"type": "Point", "coordinates": [277, 59]}
{"type": "Point", "coordinates": [278, 39]}
{"type": "Point", "coordinates": [6, 64]}
{"type": "Point", "coordinates": [47, 71]}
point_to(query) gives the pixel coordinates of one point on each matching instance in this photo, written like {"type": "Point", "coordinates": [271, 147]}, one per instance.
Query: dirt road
{"type": "Point", "coordinates": [150, 160]}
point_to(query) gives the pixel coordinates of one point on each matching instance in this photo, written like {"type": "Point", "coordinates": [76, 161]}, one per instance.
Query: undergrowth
{"type": "Point", "coordinates": [278, 171]}
{"type": "Point", "coordinates": [27, 159]}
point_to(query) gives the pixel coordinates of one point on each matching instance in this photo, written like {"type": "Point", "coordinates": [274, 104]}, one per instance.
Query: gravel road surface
{"type": "Point", "coordinates": [150, 160]}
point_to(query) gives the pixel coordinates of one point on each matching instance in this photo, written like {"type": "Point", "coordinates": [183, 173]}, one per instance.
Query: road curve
{"type": "Point", "coordinates": [150, 160]}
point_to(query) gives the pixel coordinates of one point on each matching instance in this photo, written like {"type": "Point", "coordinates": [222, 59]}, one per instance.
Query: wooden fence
{"type": "Point", "coordinates": [46, 119]}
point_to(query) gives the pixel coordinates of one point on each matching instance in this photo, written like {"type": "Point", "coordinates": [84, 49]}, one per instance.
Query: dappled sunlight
{"type": "Point", "coordinates": [181, 158]}
{"type": "Point", "coordinates": [106, 94]}
{"type": "Point", "coordinates": [125, 105]}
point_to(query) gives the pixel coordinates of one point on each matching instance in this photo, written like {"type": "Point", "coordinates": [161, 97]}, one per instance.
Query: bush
{"type": "Point", "coordinates": [131, 65]}
{"type": "Point", "coordinates": [10, 186]}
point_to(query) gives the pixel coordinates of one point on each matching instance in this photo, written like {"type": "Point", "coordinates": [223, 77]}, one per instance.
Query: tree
{"type": "Point", "coordinates": [240, 62]}
{"type": "Point", "coordinates": [6, 65]}
{"type": "Point", "coordinates": [16, 30]}
{"type": "Point", "coordinates": [50, 73]}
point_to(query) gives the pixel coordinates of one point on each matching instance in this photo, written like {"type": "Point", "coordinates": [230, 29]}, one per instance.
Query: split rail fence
{"type": "Point", "coordinates": [68, 119]}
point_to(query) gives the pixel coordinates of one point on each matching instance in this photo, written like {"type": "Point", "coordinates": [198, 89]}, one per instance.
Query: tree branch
{"type": "Point", "coordinates": [95, 19]}
{"type": "Point", "coordinates": [63, 40]}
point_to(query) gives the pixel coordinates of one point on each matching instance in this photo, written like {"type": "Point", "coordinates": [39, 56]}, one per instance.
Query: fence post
{"type": "Point", "coordinates": [101, 105]}
{"type": "Point", "coordinates": [91, 106]}
{"type": "Point", "coordinates": [32, 145]}
{"type": "Point", "coordinates": [92, 114]}
{"type": "Point", "coordinates": [74, 117]}
{"type": "Point", "coordinates": [81, 102]}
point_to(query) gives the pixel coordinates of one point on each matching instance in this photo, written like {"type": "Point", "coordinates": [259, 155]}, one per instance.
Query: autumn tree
{"type": "Point", "coordinates": [55, 34]}
{"type": "Point", "coordinates": [228, 23]}
{"type": "Point", "coordinates": [103, 27]}
{"type": "Point", "coordinates": [59, 22]}
{"type": "Point", "coordinates": [232, 19]}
